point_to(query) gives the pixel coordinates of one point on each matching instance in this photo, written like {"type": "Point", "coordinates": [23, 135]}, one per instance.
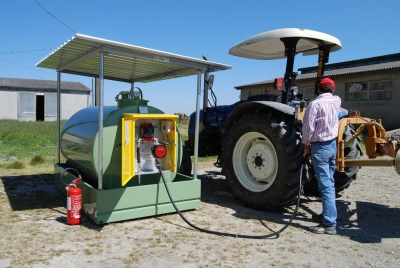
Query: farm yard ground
{"type": "Point", "coordinates": [34, 232]}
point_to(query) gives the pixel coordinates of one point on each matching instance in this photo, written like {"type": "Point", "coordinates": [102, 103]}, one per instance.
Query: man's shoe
{"type": "Point", "coordinates": [323, 229]}
{"type": "Point", "coordinates": [318, 218]}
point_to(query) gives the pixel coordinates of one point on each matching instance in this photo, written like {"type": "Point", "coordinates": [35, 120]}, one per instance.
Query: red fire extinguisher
{"type": "Point", "coordinates": [74, 202]}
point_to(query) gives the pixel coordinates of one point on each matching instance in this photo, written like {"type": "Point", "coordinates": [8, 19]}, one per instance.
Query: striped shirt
{"type": "Point", "coordinates": [320, 122]}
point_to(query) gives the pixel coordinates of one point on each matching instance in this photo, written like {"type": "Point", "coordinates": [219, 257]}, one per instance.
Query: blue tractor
{"type": "Point", "coordinates": [258, 140]}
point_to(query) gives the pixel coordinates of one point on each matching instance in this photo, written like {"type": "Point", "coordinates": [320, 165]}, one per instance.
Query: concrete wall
{"type": "Point", "coordinates": [71, 103]}
{"type": "Point", "coordinates": [264, 88]}
{"type": "Point", "coordinates": [387, 110]}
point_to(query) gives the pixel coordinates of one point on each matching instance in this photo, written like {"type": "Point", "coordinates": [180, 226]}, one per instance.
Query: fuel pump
{"type": "Point", "coordinates": [148, 149]}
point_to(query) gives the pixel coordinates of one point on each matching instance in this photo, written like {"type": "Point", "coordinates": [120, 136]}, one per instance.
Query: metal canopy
{"type": "Point", "coordinates": [123, 62]}
{"type": "Point", "coordinates": [268, 45]}
{"type": "Point", "coordinates": [105, 59]}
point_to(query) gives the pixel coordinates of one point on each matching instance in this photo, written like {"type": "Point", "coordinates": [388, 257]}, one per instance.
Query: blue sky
{"type": "Point", "coordinates": [191, 28]}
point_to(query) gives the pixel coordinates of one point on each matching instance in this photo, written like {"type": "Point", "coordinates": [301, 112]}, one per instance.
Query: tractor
{"type": "Point", "coordinates": [258, 140]}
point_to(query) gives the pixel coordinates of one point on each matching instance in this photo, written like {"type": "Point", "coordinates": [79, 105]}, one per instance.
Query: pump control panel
{"type": "Point", "coordinates": [146, 140]}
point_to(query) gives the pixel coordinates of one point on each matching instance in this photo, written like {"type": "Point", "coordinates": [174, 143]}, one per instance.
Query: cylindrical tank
{"type": "Point", "coordinates": [79, 141]}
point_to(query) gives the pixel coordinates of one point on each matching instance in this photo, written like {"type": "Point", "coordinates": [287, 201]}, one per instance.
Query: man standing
{"type": "Point", "coordinates": [320, 129]}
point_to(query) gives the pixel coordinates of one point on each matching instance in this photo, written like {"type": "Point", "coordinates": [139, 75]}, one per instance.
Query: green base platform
{"type": "Point", "coordinates": [132, 202]}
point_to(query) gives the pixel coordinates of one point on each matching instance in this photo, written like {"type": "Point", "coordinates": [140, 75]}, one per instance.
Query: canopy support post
{"type": "Point", "coordinates": [100, 138]}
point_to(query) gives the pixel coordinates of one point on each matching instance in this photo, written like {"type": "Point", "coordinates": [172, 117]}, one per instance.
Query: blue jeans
{"type": "Point", "coordinates": [323, 157]}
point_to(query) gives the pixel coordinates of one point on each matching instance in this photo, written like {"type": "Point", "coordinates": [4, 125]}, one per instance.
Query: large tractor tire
{"type": "Point", "coordinates": [261, 160]}
{"type": "Point", "coordinates": [342, 179]}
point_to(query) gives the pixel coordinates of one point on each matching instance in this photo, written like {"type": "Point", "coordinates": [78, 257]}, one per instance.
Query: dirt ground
{"type": "Point", "coordinates": [34, 232]}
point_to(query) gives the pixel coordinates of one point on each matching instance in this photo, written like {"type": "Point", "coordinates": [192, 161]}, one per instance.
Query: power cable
{"type": "Point", "coordinates": [25, 66]}
{"type": "Point", "coordinates": [31, 50]}
{"type": "Point", "coordinates": [53, 16]}
{"type": "Point", "coordinates": [233, 82]}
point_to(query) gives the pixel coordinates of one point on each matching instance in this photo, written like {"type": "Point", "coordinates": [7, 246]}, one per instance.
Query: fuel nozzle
{"type": "Point", "coordinates": [77, 180]}
{"type": "Point", "coordinates": [74, 183]}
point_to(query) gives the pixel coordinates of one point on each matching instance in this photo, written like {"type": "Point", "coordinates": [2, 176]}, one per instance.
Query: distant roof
{"type": "Point", "coordinates": [354, 63]}
{"type": "Point", "coordinates": [40, 84]}
{"type": "Point", "coordinates": [123, 62]}
{"type": "Point", "coordinates": [352, 70]}
{"type": "Point", "coordinates": [336, 72]}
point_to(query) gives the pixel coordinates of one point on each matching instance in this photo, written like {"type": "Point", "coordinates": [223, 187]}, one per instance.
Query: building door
{"type": "Point", "coordinates": [26, 106]}
{"type": "Point", "coordinates": [50, 106]}
{"type": "Point", "coordinates": [39, 107]}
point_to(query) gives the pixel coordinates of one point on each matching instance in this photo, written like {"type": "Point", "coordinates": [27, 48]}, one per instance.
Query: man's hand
{"type": "Point", "coordinates": [307, 151]}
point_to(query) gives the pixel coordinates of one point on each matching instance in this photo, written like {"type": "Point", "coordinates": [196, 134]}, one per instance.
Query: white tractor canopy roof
{"type": "Point", "coordinates": [123, 62]}
{"type": "Point", "coordinates": [268, 45]}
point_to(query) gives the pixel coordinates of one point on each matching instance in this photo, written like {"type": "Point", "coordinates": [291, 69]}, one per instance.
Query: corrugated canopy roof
{"type": "Point", "coordinates": [123, 62]}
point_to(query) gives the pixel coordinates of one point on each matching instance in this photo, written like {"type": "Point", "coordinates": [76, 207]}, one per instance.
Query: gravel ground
{"type": "Point", "coordinates": [34, 232]}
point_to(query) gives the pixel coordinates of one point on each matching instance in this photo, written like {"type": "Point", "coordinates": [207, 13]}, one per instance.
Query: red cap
{"type": "Point", "coordinates": [327, 82]}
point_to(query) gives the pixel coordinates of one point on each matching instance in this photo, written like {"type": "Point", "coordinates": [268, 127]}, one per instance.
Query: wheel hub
{"type": "Point", "coordinates": [258, 161]}
{"type": "Point", "coordinates": [255, 161]}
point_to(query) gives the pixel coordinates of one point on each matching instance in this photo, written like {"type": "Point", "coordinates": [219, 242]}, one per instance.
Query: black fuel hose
{"type": "Point", "coordinates": [230, 234]}
{"type": "Point", "coordinates": [62, 174]}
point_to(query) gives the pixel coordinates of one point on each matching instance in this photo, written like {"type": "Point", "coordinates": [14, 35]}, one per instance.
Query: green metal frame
{"type": "Point", "coordinates": [125, 203]}
{"type": "Point", "coordinates": [108, 201]}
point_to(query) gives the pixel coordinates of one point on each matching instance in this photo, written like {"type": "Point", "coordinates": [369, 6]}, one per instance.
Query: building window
{"type": "Point", "coordinates": [255, 93]}
{"type": "Point", "coordinates": [374, 90]}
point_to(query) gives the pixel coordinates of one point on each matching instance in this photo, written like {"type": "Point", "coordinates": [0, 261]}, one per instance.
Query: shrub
{"type": "Point", "coordinates": [16, 165]}
{"type": "Point", "coordinates": [36, 160]}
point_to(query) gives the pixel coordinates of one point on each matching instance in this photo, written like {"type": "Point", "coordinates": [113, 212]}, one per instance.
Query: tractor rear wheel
{"type": "Point", "coordinates": [261, 160]}
{"type": "Point", "coordinates": [342, 179]}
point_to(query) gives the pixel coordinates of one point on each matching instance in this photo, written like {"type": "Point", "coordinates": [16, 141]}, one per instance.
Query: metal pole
{"type": "Point", "coordinates": [58, 115]}
{"type": "Point", "coordinates": [205, 94]}
{"type": "Point", "coordinates": [100, 138]}
{"type": "Point", "coordinates": [131, 91]}
{"type": "Point", "coordinates": [196, 133]}
{"type": "Point", "coordinates": [97, 91]}
{"type": "Point", "coordinates": [93, 94]}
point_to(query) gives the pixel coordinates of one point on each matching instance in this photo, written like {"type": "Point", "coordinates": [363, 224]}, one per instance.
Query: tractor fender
{"type": "Point", "coordinates": [257, 105]}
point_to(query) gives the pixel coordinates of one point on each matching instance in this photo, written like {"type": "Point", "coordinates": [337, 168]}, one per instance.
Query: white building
{"type": "Point", "coordinates": [36, 100]}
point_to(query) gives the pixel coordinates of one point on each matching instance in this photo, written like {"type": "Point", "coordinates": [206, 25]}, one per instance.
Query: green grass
{"type": "Point", "coordinates": [183, 130]}
{"type": "Point", "coordinates": [31, 142]}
